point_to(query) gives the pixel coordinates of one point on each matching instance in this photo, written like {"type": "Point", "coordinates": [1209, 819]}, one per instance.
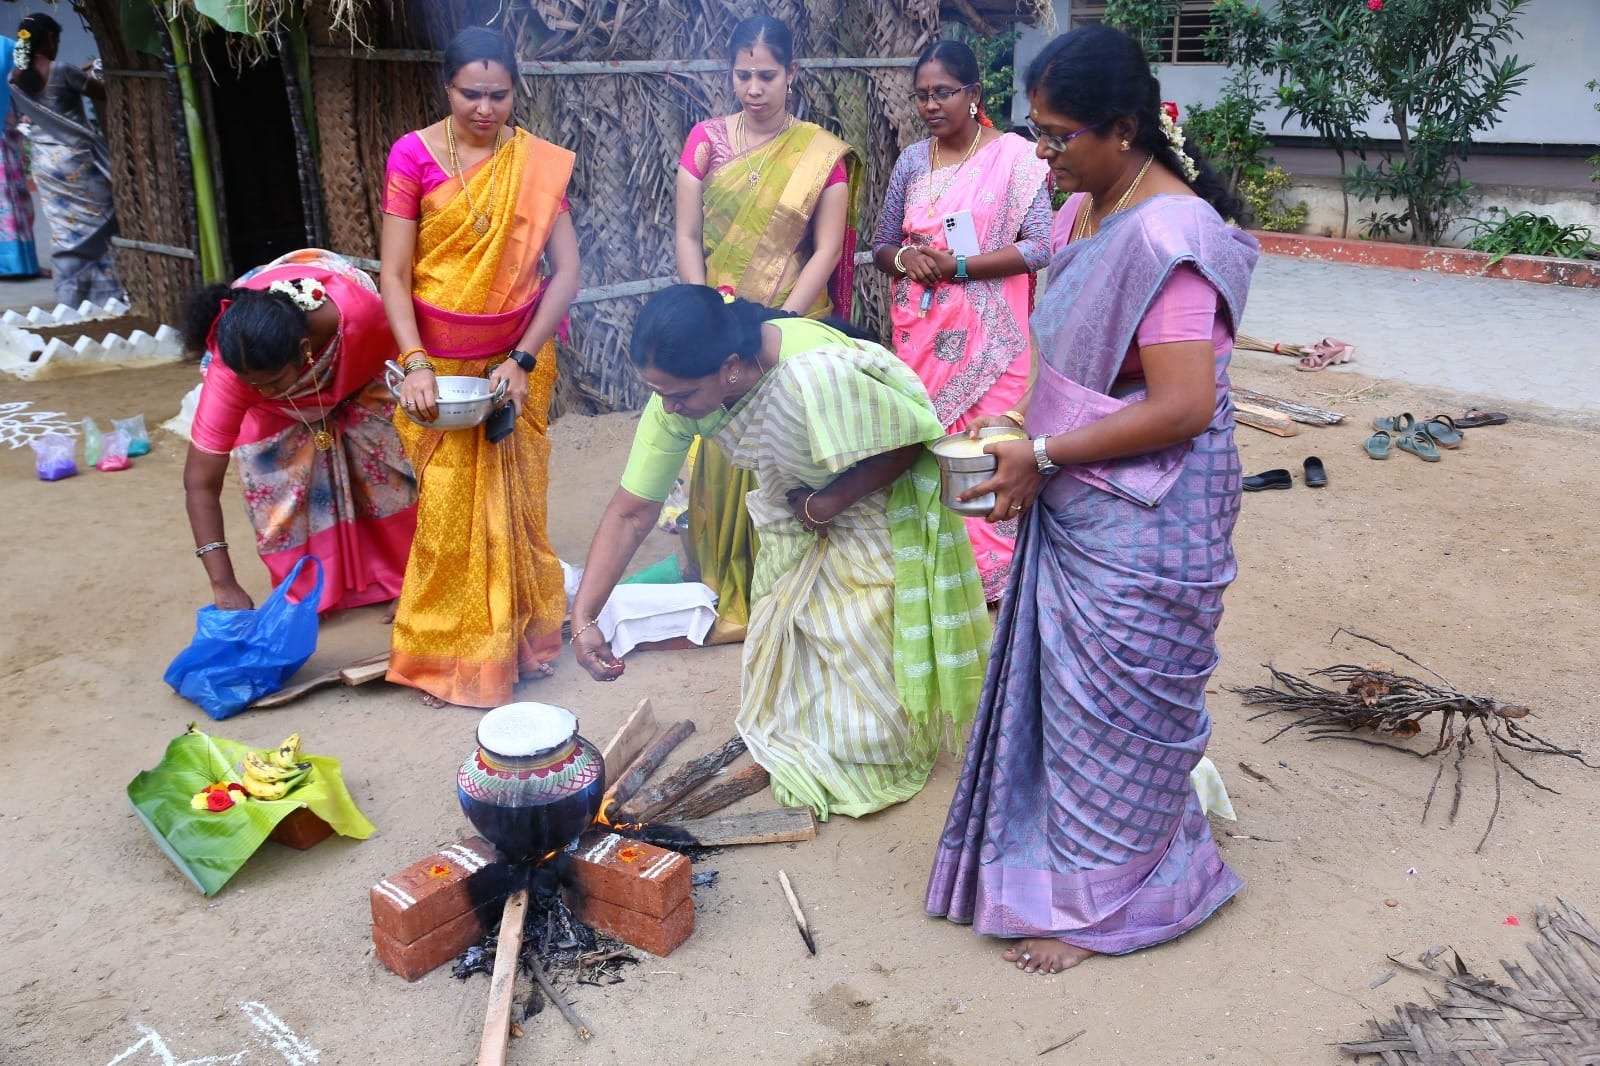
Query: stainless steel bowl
{"type": "Point", "coordinates": [960, 473]}
{"type": "Point", "coordinates": [464, 402]}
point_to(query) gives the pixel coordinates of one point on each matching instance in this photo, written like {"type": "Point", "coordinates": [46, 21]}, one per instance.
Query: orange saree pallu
{"type": "Point", "coordinates": [483, 601]}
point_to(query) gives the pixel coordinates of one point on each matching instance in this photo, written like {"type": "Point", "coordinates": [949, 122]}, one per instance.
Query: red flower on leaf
{"type": "Point", "coordinates": [1374, 5]}
{"type": "Point", "coordinates": [1172, 109]}
{"type": "Point", "coordinates": [219, 799]}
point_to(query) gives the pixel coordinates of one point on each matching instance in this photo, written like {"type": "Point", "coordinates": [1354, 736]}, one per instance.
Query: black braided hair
{"type": "Point", "coordinates": [690, 330]}
{"type": "Point", "coordinates": [260, 331]}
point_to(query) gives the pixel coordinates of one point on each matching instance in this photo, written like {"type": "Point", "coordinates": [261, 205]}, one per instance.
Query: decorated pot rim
{"type": "Point", "coordinates": [518, 734]}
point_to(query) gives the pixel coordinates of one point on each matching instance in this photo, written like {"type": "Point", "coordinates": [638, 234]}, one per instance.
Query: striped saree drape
{"type": "Point", "coordinates": [866, 646]}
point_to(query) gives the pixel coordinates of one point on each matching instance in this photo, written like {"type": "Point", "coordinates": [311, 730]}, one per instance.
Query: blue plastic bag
{"type": "Point", "coordinates": [237, 657]}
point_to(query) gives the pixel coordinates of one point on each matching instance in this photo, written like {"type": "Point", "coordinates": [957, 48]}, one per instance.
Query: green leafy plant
{"type": "Point", "coordinates": [995, 58]}
{"type": "Point", "coordinates": [1230, 131]}
{"type": "Point", "coordinates": [1594, 160]}
{"type": "Point", "coordinates": [1261, 195]}
{"type": "Point", "coordinates": [1430, 69]}
{"type": "Point", "coordinates": [1526, 233]}
{"type": "Point", "coordinates": [1146, 21]}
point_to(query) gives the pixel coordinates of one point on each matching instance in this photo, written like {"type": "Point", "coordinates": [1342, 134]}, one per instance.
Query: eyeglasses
{"type": "Point", "coordinates": [1051, 141]}
{"type": "Point", "coordinates": [922, 96]}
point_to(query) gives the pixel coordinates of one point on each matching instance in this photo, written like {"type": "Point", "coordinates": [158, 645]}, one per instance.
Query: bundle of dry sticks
{"type": "Point", "coordinates": [1396, 706]}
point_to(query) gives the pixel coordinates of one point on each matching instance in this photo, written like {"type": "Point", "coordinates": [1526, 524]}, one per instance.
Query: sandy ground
{"type": "Point", "coordinates": [1483, 566]}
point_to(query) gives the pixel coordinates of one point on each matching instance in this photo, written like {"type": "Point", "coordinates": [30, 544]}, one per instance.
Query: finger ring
{"type": "Point", "coordinates": [1016, 507]}
{"type": "Point", "coordinates": [411, 403]}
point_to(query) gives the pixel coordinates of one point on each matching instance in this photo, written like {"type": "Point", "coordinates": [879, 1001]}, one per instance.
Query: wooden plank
{"type": "Point", "coordinates": [369, 669]}
{"type": "Point", "coordinates": [293, 692]}
{"type": "Point", "coordinates": [656, 798]}
{"type": "Point", "coordinates": [649, 760]}
{"type": "Point", "coordinates": [628, 741]}
{"type": "Point", "coordinates": [1300, 412]}
{"type": "Point", "coordinates": [497, 1017]}
{"type": "Point", "coordinates": [780, 825]}
{"type": "Point", "coordinates": [746, 782]}
{"type": "Point", "coordinates": [1258, 417]}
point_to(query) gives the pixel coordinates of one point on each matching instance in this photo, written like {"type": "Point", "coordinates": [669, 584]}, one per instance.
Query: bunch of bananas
{"type": "Point", "coordinates": [271, 774]}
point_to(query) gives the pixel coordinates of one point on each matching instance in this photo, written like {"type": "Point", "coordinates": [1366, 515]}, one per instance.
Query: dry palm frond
{"type": "Point", "coordinates": [1395, 707]}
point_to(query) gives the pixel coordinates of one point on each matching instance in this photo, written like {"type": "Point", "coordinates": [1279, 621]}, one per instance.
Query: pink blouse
{"type": "Point", "coordinates": [1185, 308]}
{"type": "Point", "coordinates": [709, 146]}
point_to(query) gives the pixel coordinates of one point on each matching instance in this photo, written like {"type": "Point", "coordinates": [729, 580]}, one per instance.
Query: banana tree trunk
{"type": "Point", "coordinates": [191, 129]}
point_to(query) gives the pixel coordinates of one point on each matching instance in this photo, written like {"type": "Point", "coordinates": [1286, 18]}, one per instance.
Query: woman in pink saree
{"type": "Point", "coordinates": [960, 320]}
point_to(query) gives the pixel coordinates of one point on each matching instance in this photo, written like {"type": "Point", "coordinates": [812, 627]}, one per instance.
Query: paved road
{"type": "Point", "coordinates": [1515, 341]}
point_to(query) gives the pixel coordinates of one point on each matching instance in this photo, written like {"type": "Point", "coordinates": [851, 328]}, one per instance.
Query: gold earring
{"type": "Point", "coordinates": [1124, 146]}
{"type": "Point", "coordinates": [733, 378]}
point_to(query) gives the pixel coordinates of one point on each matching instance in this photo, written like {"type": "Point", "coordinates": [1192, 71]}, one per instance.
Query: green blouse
{"type": "Point", "coordinates": [662, 440]}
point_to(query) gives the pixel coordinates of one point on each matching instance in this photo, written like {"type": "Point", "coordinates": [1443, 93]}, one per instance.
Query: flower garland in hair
{"type": "Point", "coordinates": [307, 293]}
{"type": "Point", "coordinates": [23, 54]}
{"type": "Point", "coordinates": [1174, 134]}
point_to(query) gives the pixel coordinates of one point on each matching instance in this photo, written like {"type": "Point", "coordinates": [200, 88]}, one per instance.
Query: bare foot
{"type": "Point", "coordinates": [539, 672]}
{"type": "Point", "coordinates": [428, 699]}
{"type": "Point", "coordinates": [388, 611]}
{"type": "Point", "coordinates": [1041, 955]}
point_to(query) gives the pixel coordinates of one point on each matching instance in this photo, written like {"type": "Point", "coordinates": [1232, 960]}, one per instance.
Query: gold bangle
{"type": "Point", "coordinates": [1016, 416]}
{"type": "Point", "coordinates": [805, 509]}
{"type": "Point", "coordinates": [576, 633]}
{"type": "Point", "coordinates": [904, 248]}
{"type": "Point", "coordinates": [421, 364]}
{"type": "Point", "coordinates": [216, 545]}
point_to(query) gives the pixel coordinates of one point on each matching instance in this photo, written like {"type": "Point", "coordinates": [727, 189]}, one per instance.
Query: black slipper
{"type": "Point", "coordinates": [1316, 475]}
{"type": "Point", "coordinates": [1268, 479]}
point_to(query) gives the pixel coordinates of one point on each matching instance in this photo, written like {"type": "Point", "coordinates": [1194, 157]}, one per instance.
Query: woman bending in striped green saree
{"type": "Point", "coordinates": [868, 632]}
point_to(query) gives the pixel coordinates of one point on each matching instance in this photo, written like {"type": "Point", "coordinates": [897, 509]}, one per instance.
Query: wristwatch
{"type": "Point", "coordinates": [1042, 457]}
{"type": "Point", "coordinates": [526, 360]}
{"type": "Point", "coordinates": [961, 268]}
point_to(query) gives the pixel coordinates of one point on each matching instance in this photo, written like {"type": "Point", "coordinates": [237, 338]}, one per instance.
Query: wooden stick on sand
{"type": "Point", "coordinates": [649, 760]}
{"type": "Point", "coordinates": [709, 800]}
{"type": "Point", "coordinates": [653, 799]}
{"type": "Point", "coordinates": [497, 1019]}
{"type": "Point", "coordinates": [561, 1003]}
{"type": "Point", "coordinates": [799, 915]}
{"type": "Point", "coordinates": [628, 741]}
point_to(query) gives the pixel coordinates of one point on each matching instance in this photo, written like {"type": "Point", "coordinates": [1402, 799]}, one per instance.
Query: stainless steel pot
{"type": "Point", "coordinates": [959, 473]}
{"type": "Point", "coordinates": [464, 402]}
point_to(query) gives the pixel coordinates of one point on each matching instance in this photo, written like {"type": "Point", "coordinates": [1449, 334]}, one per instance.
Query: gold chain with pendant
{"type": "Point", "coordinates": [1127, 197]}
{"type": "Point", "coordinates": [754, 172]}
{"type": "Point", "coordinates": [480, 222]}
{"type": "Point", "coordinates": [321, 437]}
{"type": "Point", "coordinates": [933, 167]}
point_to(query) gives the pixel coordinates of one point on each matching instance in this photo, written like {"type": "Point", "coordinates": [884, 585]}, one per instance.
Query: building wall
{"type": "Point", "coordinates": [1561, 38]}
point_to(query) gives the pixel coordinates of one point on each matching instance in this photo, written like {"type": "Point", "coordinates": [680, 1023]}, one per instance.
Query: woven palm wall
{"type": "Point", "coordinates": [626, 128]}
{"type": "Point", "coordinates": [149, 180]}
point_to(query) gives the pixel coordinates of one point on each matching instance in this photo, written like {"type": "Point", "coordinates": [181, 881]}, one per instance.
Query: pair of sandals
{"type": "Point", "coordinates": [1323, 354]}
{"type": "Point", "coordinates": [1422, 439]}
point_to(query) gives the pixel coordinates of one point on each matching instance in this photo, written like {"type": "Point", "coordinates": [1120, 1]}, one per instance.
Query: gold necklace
{"type": "Point", "coordinates": [933, 168]}
{"type": "Point", "coordinates": [480, 222]}
{"type": "Point", "coordinates": [754, 176]}
{"type": "Point", "coordinates": [1127, 197]}
{"type": "Point", "coordinates": [321, 439]}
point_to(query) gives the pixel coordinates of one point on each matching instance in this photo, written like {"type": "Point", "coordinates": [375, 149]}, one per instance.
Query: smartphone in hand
{"type": "Point", "coordinates": [960, 235]}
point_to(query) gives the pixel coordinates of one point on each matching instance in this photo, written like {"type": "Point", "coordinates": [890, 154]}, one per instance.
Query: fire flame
{"type": "Point", "coordinates": [603, 818]}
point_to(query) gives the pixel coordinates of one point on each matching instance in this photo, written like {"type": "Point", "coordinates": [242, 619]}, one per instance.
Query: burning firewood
{"type": "Point", "coordinates": [1396, 706]}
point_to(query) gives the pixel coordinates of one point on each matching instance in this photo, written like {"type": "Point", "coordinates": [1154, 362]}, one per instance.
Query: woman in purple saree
{"type": "Point", "coordinates": [1075, 829]}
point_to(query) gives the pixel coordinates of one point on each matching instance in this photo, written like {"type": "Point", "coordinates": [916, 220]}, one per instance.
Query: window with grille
{"type": "Point", "coordinates": [1183, 40]}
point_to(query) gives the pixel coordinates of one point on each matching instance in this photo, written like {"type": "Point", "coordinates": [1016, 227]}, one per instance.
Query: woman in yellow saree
{"type": "Point", "coordinates": [470, 205]}
{"type": "Point", "coordinates": [766, 211]}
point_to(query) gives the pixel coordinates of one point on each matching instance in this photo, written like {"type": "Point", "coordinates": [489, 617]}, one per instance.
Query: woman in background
{"type": "Point", "coordinates": [961, 321]}
{"type": "Point", "coordinates": [766, 210]}
{"type": "Point", "coordinates": [71, 164]}
{"type": "Point", "coordinates": [18, 259]}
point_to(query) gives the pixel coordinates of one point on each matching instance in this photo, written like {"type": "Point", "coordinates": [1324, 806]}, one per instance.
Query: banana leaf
{"type": "Point", "coordinates": [210, 847]}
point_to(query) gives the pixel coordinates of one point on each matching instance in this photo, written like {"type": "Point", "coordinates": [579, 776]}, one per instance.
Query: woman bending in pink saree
{"type": "Point", "coordinates": [961, 322]}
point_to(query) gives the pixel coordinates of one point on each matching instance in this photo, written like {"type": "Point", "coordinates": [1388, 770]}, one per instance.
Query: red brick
{"type": "Point", "coordinates": [301, 830]}
{"type": "Point", "coordinates": [433, 949]}
{"type": "Point", "coordinates": [659, 936]}
{"type": "Point", "coordinates": [427, 894]}
{"type": "Point", "coordinates": [635, 876]}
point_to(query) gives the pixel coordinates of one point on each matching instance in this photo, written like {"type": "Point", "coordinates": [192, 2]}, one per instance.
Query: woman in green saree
{"type": "Point", "coordinates": [766, 211]}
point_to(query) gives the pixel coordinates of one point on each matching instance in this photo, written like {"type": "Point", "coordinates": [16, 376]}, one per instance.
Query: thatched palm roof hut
{"type": "Point", "coordinates": [620, 82]}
